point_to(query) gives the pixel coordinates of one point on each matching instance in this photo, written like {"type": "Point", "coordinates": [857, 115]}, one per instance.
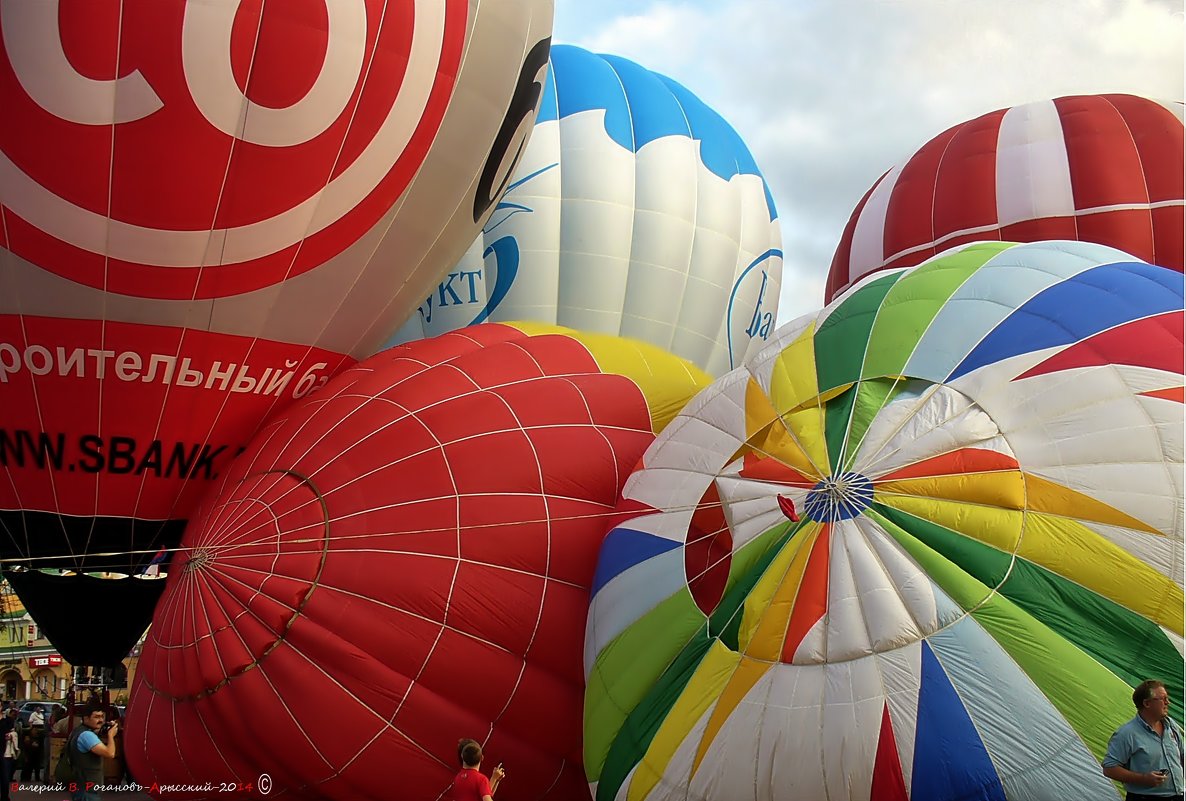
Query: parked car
{"type": "Point", "coordinates": [25, 710]}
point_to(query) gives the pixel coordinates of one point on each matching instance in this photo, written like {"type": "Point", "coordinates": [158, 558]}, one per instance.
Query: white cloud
{"type": "Point", "coordinates": [829, 94]}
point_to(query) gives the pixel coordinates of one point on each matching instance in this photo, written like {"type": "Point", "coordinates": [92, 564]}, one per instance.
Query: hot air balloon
{"type": "Point", "coordinates": [209, 209]}
{"type": "Point", "coordinates": [1095, 168]}
{"type": "Point", "coordinates": [401, 560]}
{"type": "Point", "coordinates": [922, 545]}
{"type": "Point", "coordinates": [636, 210]}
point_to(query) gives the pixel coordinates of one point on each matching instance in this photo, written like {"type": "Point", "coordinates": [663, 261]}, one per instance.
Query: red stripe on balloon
{"type": "Point", "coordinates": [961, 462]}
{"type": "Point", "coordinates": [1154, 342]}
{"type": "Point", "coordinates": [1105, 165]}
{"type": "Point", "coordinates": [888, 782]}
{"type": "Point", "coordinates": [765, 468]}
{"type": "Point", "coordinates": [811, 602]}
{"type": "Point", "coordinates": [1131, 230]}
{"type": "Point", "coordinates": [1158, 137]}
{"type": "Point", "coordinates": [1171, 394]}
{"type": "Point", "coordinates": [909, 218]}
{"type": "Point", "coordinates": [966, 184]}
{"type": "Point", "coordinates": [1168, 243]}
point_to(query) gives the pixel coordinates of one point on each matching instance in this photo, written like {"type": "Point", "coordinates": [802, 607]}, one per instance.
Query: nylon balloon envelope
{"type": "Point", "coordinates": [401, 560]}
{"type": "Point", "coordinates": [923, 545]}
{"type": "Point", "coordinates": [1094, 168]}
{"type": "Point", "coordinates": [209, 209]}
{"type": "Point", "coordinates": [636, 211]}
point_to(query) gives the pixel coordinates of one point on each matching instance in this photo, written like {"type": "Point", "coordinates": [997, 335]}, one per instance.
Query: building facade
{"type": "Point", "coordinates": [31, 668]}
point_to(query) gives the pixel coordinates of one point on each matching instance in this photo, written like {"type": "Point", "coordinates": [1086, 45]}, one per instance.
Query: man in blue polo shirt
{"type": "Point", "coordinates": [1145, 754]}
{"type": "Point", "coordinates": [86, 751]}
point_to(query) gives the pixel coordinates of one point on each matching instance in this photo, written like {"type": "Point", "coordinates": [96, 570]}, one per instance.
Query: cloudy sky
{"type": "Point", "coordinates": [829, 94]}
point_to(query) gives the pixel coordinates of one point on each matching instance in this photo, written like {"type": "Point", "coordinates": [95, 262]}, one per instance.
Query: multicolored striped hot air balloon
{"type": "Point", "coordinates": [984, 454]}
{"type": "Point", "coordinates": [1095, 168]}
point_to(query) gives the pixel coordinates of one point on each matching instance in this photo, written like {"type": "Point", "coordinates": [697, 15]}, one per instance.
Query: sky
{"type": "Point", "coordinates": [829, 94]}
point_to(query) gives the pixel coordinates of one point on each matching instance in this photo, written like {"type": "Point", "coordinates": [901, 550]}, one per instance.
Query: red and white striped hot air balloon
{"type": "Point", "coordinates": [1094, 168]}
{"type": "Point", "coordinates": [206, 210]}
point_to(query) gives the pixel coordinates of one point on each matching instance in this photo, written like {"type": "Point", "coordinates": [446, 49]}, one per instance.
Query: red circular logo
{"type": "Point", "coordinates": [197, 150]}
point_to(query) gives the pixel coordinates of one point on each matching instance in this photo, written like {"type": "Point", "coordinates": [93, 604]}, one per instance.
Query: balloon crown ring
{"type": "Point", "coordinates": [198, 560]}
{"type": "Point", "coordinates": [840, 497]}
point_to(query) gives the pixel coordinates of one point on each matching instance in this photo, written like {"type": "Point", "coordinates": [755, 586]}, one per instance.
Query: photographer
{"type": "Point", "coordinates": [86, 749]}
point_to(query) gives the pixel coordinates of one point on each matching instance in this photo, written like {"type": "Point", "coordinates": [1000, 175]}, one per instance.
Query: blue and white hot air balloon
{"type": "Point", "coordinates": [636, 210]}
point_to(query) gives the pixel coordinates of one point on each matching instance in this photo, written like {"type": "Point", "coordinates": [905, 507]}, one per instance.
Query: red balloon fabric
{"type": "Point", "coordinates": [401, 560]}
{"type": "Point", "coordinates": [208, 208]}
{"type": "Point", "coordinates": [1093, 168]}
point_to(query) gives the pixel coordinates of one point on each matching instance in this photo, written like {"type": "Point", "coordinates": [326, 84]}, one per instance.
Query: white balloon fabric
{"type": "Point", "coordinates": [636, 210]}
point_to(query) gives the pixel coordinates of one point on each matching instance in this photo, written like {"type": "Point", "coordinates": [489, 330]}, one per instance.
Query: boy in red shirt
{"type": "Point", "coordinates": [469, 784]}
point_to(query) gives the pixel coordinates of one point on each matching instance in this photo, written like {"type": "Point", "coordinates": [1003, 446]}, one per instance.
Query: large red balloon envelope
{"type": "Point", "coordinates": [207, 209]}
{"type": "Point", "coordinates": [401, 560]}
{"type": "Point", "coordinates": [1093, 168]}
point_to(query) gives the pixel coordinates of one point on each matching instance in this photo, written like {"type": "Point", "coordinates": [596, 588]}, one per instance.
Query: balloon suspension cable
{"type": "Point", "coordinates": [94, 561]}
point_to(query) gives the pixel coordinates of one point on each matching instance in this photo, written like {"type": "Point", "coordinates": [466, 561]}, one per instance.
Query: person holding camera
{"type": "Point", "coordinates": [1145, 754]}
{"type": "Point", "coordinates": [86, 749]}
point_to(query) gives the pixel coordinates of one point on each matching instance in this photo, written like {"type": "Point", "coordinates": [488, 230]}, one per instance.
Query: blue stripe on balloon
{"type": "Point", "coordinates": [646, 92]}
{"type": "Point", "coordinates": [586, 82]}
{"type": "Point", "coordinates": [950, 760]}
{"type": "Point", "coordinates": [549, 107]}
{"type": "Point", "coordinates": [1081, 306]}
{"type": "Point", "coordinates": [721, 149]}
{"type": "Point", "coordinates": [642, 106]}
{"type": "Point", "coordinates": [623, 549]}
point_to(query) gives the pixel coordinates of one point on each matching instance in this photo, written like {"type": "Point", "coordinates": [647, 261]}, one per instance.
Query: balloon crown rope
{"type": "Point", "coordinates": [832, 499]}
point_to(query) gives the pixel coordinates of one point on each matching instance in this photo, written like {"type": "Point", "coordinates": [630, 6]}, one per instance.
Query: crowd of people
{"type": "Point", "coordinates": [27, 744]}
{"type": "Point", "coordinates": [26, 748]}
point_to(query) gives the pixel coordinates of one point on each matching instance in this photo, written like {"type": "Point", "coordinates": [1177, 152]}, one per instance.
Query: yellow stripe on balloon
{"type": "Point", "coordinates": [1003, 488]}
{"type": "Point", "coordinates": [992, 525]}
{"type": "Point", "coordinates": [792, 377]}
{"type": "Point", "coordinates": [1043, 495]}
{"type": "Point", "coordinates": [794, 396]}
{"type": "Point", "coordinates": [806, 425]}
{"type": "Point", "coordinates": [767, 609]}
{"type": "Point", "coordinates": [759, 411]}
{"type": "Point", "coordinates": [748, 673]}
{"type": "Point", "coordinates": [666, 381]}
{"type": "Point", "coordinates": [707, 682]}
{"type": "Point", "coordinates": [767, 434]}
{"type": "Point", "coordinates": [1072, 550]}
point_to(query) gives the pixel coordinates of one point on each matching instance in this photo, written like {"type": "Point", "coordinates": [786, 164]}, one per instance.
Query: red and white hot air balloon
{"type": "Point", "coordinates": [1094, 168]}
{"type": "Point", "coordinates": [207, 209]}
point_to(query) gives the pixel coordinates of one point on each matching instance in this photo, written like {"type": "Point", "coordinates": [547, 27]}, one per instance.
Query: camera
{"type": "Point", "coordinates": [106, 727]}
